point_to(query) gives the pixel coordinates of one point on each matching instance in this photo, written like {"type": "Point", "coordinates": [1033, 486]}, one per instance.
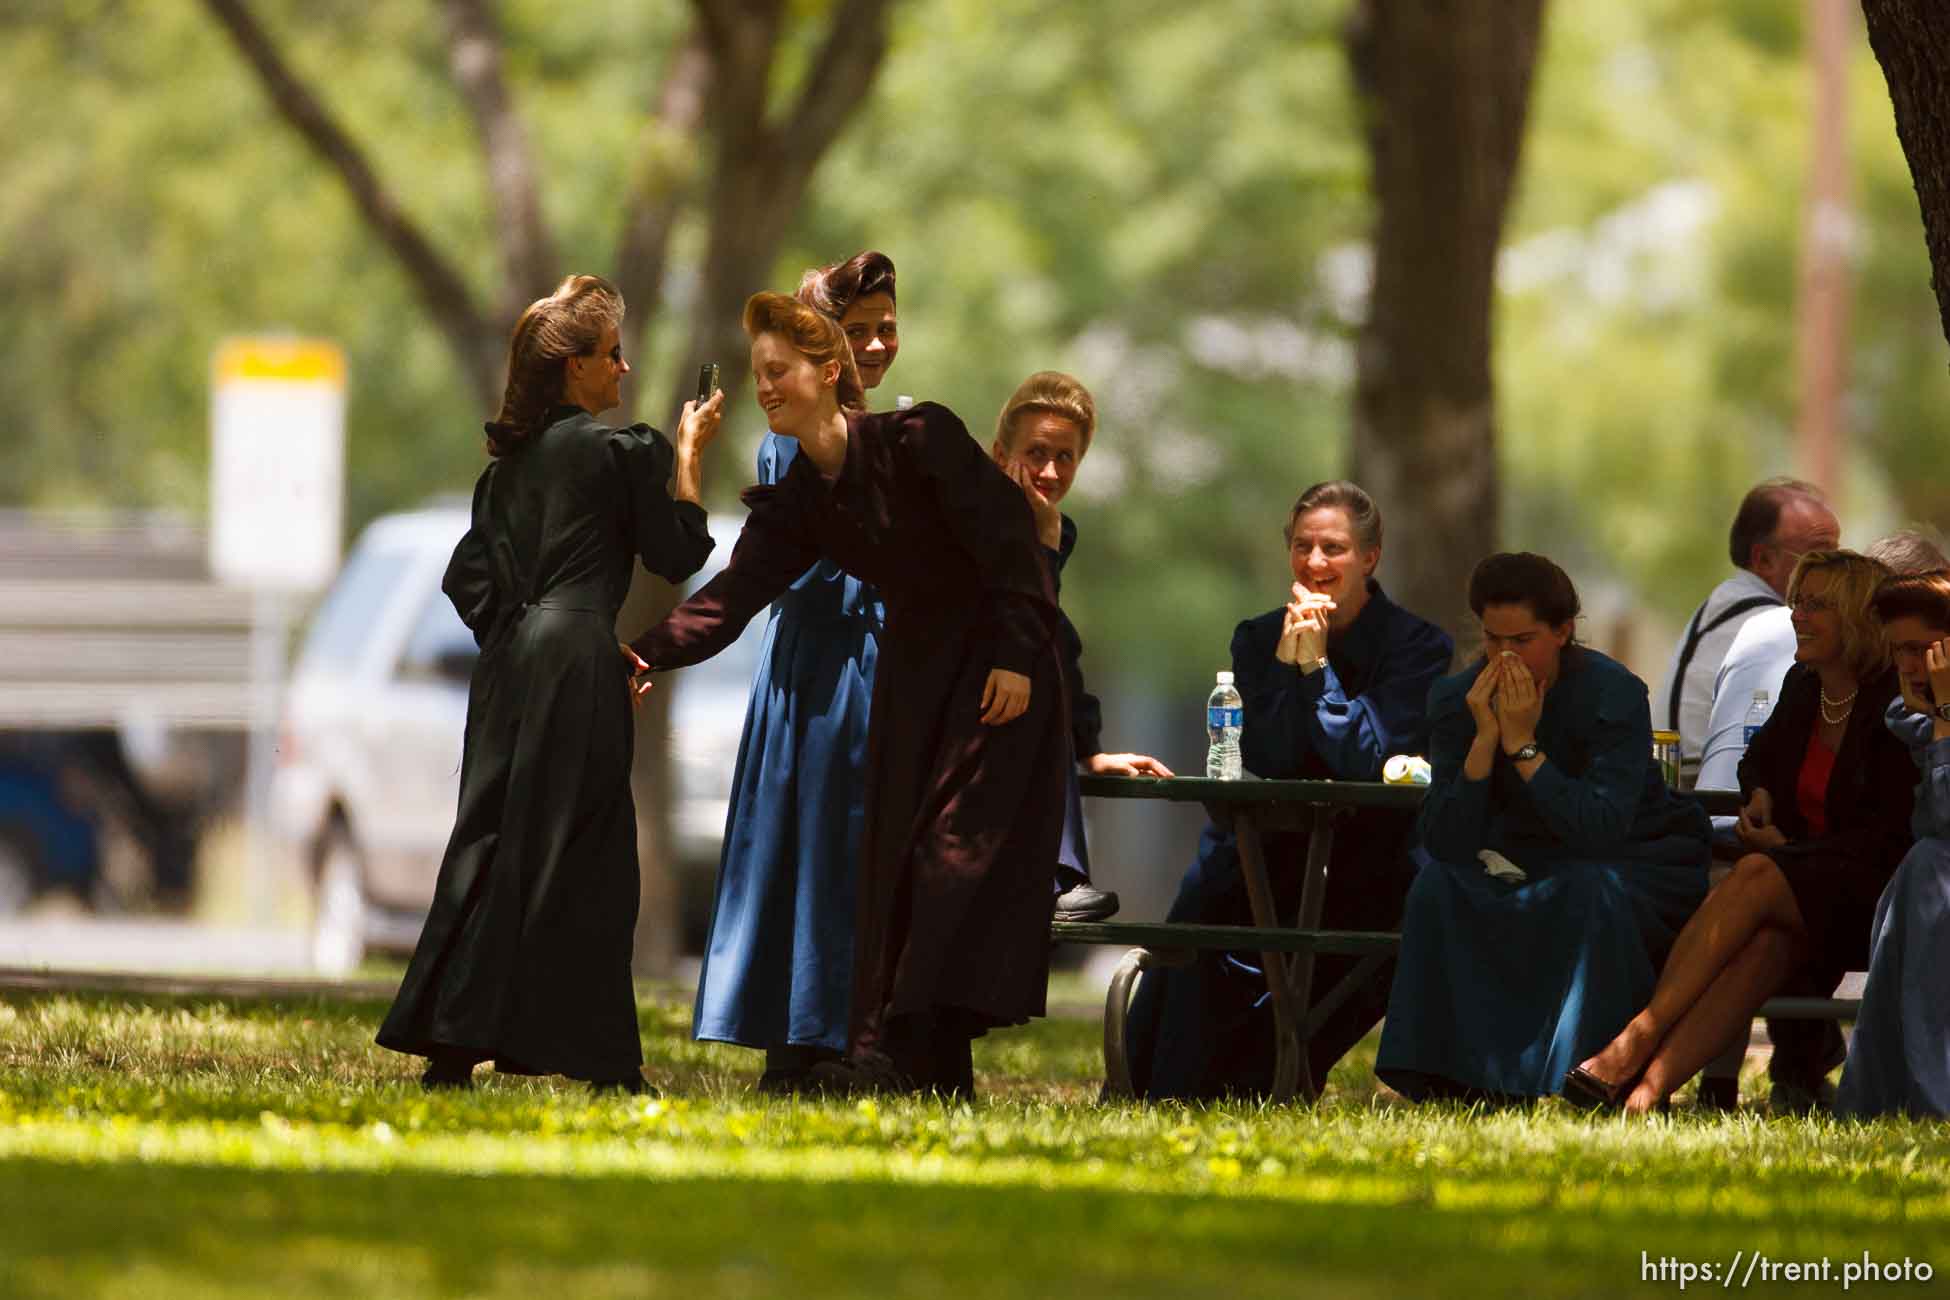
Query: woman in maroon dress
{"type": "Point", "coordinates": [969, 742]}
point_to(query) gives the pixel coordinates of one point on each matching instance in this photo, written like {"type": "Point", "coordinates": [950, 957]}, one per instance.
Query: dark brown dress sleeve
{"type": "Point", "coordinates": [985, 513]}
{"type": "Point", "coordinates": [774, 548]}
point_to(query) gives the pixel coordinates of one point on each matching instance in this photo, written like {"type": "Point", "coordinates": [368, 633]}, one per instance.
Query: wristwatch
{"type": "Point", "coordinates": [1943, 710]}
{"type": "Point", "coordinates": [1526, 753]}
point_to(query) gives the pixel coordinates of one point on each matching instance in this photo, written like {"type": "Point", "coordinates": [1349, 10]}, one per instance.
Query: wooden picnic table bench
{"type": "Point", "coordinates": [1250, 808]}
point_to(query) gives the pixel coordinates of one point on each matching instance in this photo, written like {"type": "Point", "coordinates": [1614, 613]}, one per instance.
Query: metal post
{"type": "Point", "coordinates": [270, 613]}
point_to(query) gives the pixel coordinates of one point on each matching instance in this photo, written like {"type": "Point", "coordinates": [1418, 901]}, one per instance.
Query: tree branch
{"type": "Point", "coordinates": [840, 80]}
{"type": "Point", "coordinates": [527, 251]}
{"type": "Point", "coordinates": [666, 175]}
{"type": "Point", "coordinates": [440, 286]}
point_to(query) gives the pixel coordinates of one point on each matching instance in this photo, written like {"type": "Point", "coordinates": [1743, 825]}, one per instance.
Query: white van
{"type": "Point", "coordinates": [368, 759]}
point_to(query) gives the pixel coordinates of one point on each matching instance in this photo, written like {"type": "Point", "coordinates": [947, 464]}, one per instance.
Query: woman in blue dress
{"type": "Point", "coordinates": [1555, 867]}
{"type": "Point", "coordinates": [778, 965]}
{"type": "Point", "coordinates": [1899, 1055]}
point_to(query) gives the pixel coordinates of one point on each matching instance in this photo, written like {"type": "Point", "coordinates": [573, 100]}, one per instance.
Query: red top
{"type": "Point", "coordinates": [1811, 785]}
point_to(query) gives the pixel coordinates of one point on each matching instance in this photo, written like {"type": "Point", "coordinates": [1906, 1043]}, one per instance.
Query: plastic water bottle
{"type": "Point", "coordinates": [1756, 717]}
{"type": "Point", "coordinates": [1225, 717]}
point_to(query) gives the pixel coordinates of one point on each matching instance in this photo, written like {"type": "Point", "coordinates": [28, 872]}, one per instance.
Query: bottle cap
{"type": "Point", "coordinates": [1225, 678]}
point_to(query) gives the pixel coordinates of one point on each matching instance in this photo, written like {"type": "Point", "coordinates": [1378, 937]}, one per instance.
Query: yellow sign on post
{"type": "Point", "coordinates": [277, 462]}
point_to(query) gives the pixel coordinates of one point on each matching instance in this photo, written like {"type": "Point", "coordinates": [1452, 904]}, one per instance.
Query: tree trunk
{"type": "Point", "coordinates": [1446, 88]}
{"type": "Point", "coordinates": [1911, 39]}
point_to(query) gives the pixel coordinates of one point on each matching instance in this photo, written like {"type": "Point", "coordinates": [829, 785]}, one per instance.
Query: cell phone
{"type": "Point", "coordinates": [707, 381]}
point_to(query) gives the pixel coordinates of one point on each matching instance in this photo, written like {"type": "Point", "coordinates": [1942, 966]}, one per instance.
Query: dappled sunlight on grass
{"type": "Point", "coordinates": [95, 1084]}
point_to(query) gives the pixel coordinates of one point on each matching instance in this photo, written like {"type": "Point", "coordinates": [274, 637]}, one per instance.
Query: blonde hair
{"type": "Point", "coordinates": [568, 323]}
{"type": "Point", "coordinates": [1054, 393]}
{"type": "Point", "coordinates": [814, 335]}
{"type": "Point", "coordinates": [1853, 580]}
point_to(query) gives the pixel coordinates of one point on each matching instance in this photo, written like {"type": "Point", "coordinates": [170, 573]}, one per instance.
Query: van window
{"type": "Point", "coordinates": [352, 608]}
{"type": "Point", "coordinates": [437, 633]}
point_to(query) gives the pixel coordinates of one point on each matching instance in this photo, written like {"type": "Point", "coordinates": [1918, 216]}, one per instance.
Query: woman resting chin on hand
{"type": "Point", "coordinates": [1041, 438]}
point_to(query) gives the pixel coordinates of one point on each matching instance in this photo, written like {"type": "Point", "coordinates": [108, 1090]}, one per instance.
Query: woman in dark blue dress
{"type": "Point", "coordinates": [1334, 684]}
{"type": "Point", "coordinates": [1556, 868]}
{"type": "Point", "coordinates": [525, 956]}
{"type": "Point", "coordinates": [778, 965]}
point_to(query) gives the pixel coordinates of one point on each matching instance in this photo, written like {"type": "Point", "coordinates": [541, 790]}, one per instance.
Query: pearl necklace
{"type": "Point", "coordinates": [1846, 704]}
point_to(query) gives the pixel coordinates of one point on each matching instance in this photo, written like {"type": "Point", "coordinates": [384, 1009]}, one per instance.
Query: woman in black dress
{"type": "Point", "coordinates": [969, 739]}
{"type": "Point", "coordinates": [1828, 791]}
{"type": "Point", "coordinates": [525, 957]}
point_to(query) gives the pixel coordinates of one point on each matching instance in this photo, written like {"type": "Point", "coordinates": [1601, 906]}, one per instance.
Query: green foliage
{"type": "Point", "coordinates": [1646, 347]}
{"type": "Point", "coordinates": [194, 1147]}
{"type": "Point", "coordinates": [1168, 200]}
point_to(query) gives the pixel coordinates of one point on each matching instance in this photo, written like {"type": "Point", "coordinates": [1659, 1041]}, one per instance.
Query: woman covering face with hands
{"type": "Point", "coordinates": [1555, 865]}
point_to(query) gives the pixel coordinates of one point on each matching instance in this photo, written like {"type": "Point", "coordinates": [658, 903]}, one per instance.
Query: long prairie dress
{"type": "Point", "coordinates": [1503, 986]}
{"type": "Point", "coordinates": [525, 956]}
{"type": "Point", "coordinates": [778, 965]}
{"type": "Point", "coordinates": [963, 819]}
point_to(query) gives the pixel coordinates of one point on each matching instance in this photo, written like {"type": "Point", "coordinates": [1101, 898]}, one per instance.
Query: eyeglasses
{"type": "Point", "coordinates": [1811, 605]}
{"type": "Point", "coordinates": [616, 354]}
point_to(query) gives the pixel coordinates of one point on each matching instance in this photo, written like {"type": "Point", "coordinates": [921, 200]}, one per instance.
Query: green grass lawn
{"type": "Point", "coordinates": [189, 1147]}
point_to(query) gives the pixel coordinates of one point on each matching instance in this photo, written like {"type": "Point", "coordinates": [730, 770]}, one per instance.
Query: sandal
{"type": "Point", "coordinates": [1587, 1091]}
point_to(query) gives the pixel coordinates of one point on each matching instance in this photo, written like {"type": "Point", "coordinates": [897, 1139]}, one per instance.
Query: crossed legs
{"type": "Point", "coordinates": [1732, 955]}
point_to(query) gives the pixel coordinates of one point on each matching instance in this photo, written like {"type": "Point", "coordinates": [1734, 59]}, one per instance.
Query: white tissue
{"type": "Point", "coordinates": [1501, 867]}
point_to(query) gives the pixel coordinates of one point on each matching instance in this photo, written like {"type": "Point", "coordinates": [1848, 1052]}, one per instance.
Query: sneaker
{"type": "Point", "coordinates": [1085, 902]}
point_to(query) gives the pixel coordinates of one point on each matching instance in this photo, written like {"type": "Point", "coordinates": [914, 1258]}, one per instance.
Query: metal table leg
{"type": "Point", "coordinates": [1117, 1012]}
{"type": "Point", "coordinates": [1291, 1073]}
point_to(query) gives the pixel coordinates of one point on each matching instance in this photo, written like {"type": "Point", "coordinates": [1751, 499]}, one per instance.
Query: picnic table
{"type": "Point", "coordinates": [1249, 809]}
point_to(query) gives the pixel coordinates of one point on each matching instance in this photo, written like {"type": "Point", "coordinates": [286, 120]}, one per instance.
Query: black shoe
{"type": "Point", "coordinates": [787, 1083]}
{"type": "Point", "coordinates": [1085, 902]}
{"type": "Point", "coordinates": [866, 1074]}
{"type": "Point", "coordinates": [633, 1085]}
{"type": "Point", "coordinates": [1587, 1091]}
{"type": "Point", "coordinates": [1793, 1097]}
{"type": "Point", "coordinates": [1718, 1092]}
{"type": "Point", "coordinates": [449, 1072]}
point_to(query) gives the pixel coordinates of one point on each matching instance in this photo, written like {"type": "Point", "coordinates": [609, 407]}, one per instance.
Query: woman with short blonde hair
{"type": "Point", "coordinates": [1828, 794]}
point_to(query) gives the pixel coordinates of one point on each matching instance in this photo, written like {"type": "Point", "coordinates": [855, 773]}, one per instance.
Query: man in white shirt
{"type": "Point", "coordinates": [1759, 659]}
{"type": "Point", "coordinates": [1778, 522]}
